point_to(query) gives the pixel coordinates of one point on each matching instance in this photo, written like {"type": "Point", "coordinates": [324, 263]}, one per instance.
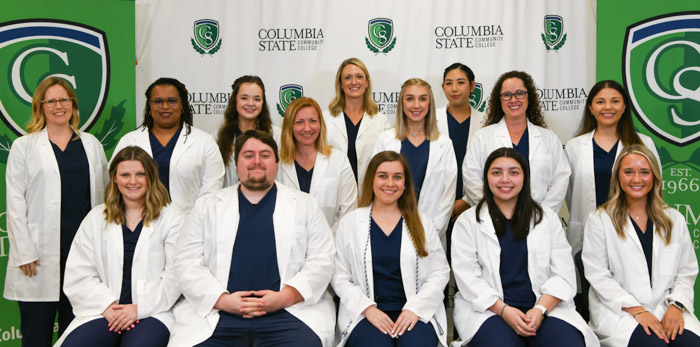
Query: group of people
{"type": "Point", "coordinates": [337, 229]}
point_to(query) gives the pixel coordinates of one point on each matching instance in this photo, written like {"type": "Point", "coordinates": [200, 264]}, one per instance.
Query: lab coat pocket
{"type": "Point", "coordinates": [668, 260]}
{"type": "Point", "coordinates": [327, 191]}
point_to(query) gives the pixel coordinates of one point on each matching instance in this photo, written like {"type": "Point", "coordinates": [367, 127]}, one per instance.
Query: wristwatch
{"type": "Point", "coordinates": [678, 304]}
{"type": "Point", "coordinates": [543, 309]}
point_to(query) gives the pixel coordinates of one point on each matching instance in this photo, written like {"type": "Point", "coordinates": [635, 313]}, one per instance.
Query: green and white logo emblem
{"type": "Point", "coordinates": [206, 38]}
{"type": "Point", "coordinates": [476, 99]}
{"type": "Point", "coordinates": [34, 49]}
{"type": "Point", "coordinates": [381, 32]}
{"type": "Point", "coordinates": [662, 65]}
{"type": "Point", "coordinates": [553, 36]}
{"type": "Point", "coordinates": [288, 93]}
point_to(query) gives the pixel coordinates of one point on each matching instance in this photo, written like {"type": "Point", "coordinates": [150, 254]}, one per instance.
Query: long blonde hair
{"type": "Point", "coordinates": [338, 103]}
{"type": "Point", "coordinates": [38, 120]}
{"type": "Point", "coordinates": [431, 128]}
{"type": "Point", "coordinates": [407, 202]}
{"type": "Point", "coordinates": [156, 195]}
{"type": "Point", "coordinates": [616, 207]}
{"type": "Point", "coordinates": [288, 146]}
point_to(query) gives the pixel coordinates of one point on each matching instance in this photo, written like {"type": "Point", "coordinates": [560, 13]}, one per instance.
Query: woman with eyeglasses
{"type": "Point", "coordinates": [640, 261]}
{"type": "Point", "coordinates": [353, 118]}
{"type": "Point", "coordinates": [55, 174]}
{"type": "Point", "coordinates": [189, 161]}
{"type": "Point", "coordinates": [247, 110]}
{"type": "Point", "coordinates": [514, 119]}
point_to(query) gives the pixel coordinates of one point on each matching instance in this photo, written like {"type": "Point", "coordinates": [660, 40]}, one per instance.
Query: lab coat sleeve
{"type": "Point", "coordinates": [595, 264]}
{"type": "Point", "coordinates": [447, 198]}
{"type": "Point", "coordinates": [562, 281]}
{"type": "Point", "coordinates": [348, 191]}
{"type": "Point", "coordinates": [431, 293]}
{"type": "Point", "coordinates": [345, 284]}
{"type": "Point", "coordinates": [380, 145]}
{"type": "Point", "coordinates": [214, 170]}
{"type": "Point", "coordinates": [160, 295]}
{"type": "Point", "coordinates": [194, 278]}
{"type": "Point", "coordinates": [683, 284]}
{"type": "Point", "coordinates": [315, 274]}
{"type": "Point", "coordinates": [83, 285]}
{"type": "Point", "coordinates": [123, 142]}
{"type": "Point", "coordinates": [465, 262]}
{"type": "Point", "coordinates": [22, 247]}
{"type": "Point", "coordinates": [473, 171]}
{"type": "Point", "coordinates": [558, 186]}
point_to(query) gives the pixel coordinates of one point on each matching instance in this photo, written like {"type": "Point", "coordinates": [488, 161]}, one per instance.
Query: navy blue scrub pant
{"type": "Point", "coordinates": [279, 328]}
{"type": "Point", "coordinates": [367, 335]}
{"type": "Point", "coordinates": [553, 332]}
{"type": "Point", "coordinates": [640, 338]}
{"type": "Point", "coordinates": [148, 332]}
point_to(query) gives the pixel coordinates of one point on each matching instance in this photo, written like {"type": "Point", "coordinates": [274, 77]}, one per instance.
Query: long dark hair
{"type": "Point", "coordinates": [459, 66]}
{"type": "Point", "coordinates": [526, 209]}
{"type": "Point", "coordinates": [227, 131]}
{"type": "Point", "coordinates": [187, 116]}
{"type": "Point", "coordinates": [625, 127]}
{"type": "Point", "coordinates": [495, 113]}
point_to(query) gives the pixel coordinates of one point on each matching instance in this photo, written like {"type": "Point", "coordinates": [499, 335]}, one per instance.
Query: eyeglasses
{"type": "Point", "coordinates": [52, 103]}
{"type": "Point", "coordinates": [519, 94]}
{"type": "Point", "coordinates": [172, 102]}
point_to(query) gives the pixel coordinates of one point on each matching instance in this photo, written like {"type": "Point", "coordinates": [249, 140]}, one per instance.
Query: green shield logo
{"type": "Point", "coordinates": [476, 98]}
{"type": "Point", "coordinates": [34, 49]}
{"type": "Point", "coordinates": [381, 32]}
{"type": "Point", "coordinates": [288, 93]}
{"type": "Point", "coordinates": [206, 36]}
{"type": "Point", "coordinates": [661, 68]}
{"type": "Point", "coordinates": [553, 36]}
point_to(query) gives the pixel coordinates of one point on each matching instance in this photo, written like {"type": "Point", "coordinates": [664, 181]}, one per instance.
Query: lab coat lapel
{"type": "Point", "coordinates": [228, 216]}
{"type": "Point", "coordinates": [284, 221]}
{"type": "Point", "coordinates": [339, 123]}
{"type": "Point", "coordinates": [47, 151]}
{"type": "Point", "coordinates": [143, 241]}
{"type": "Point", "coordinates": [320, 168]}
{"type": "Point", "coordinates": [493, 252]}
{"type": "Point", "coordinates": [436, 151]}
{"type": "Point", "coordinates": [290, 173]}
{"type": "Point", "coordinates": [535, 139]}
{"type": "Point", "coordinates": [181, 147]}
{"type": "Point", "coordinates": [408, 262]}
{"type": "Point", "coordinates": [502, 135]}
{"type": "Point", "coordinates": [588, 169]}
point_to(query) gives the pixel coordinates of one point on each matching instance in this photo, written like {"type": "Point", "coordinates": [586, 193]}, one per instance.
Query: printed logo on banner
{"type": "Point", "coordinates": [288, 93]}
{"type": "Point", "coordinates": [553, 36]}
{"type": "Point", "coordinates": [476, 99]}
{"type": "Point", "coordinates": [381, 32]}
{"type": "Point", "coordinates": [661, 58]}
{"type": "Point", "coordinates": [468, 36]}
{"type": "Point", "coordinates": [34, 49]}
{"type": "Point", "coordinates": [206, 38]}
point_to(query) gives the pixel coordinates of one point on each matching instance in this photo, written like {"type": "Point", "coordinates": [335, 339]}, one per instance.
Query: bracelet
{"type": "Point", "coordinates": [638, 313]}
{"type": "Point", "coordinates": [503, 309]}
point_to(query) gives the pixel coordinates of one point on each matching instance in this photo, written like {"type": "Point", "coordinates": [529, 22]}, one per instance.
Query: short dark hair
{"type": "Point", "coordinates": [255, 134]}
{"type": "Point", "coordinates": [459, 66]}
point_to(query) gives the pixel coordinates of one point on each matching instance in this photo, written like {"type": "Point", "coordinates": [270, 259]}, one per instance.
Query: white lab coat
{"type": "Point", "coordinates": [476, 265]}
{"type": "Point", "coordinates": [95, 267]}
{"type": "Point", "coordinates": [231, 177]}
{"type": "Point", "coordinates": [305, 252]}
{"type": "Point", "coordinates": [437, 196]}
{"type": "Point", "coordinates": [196, 167]}
{"type": "Point", "coordinates": [367, 134]}
{"type": "Point", "coordinates": [549, 169]}
{"type": "Point", "coordinates": [354, 283]}
{"type": "Point", "coordinates": [580, 196]}
{"type": "Point", "coordinates": [332, 184]}
{"type": "Point", "coordinates": [617, 271]}
{"type": "Point", "coordinates": [33, 183]}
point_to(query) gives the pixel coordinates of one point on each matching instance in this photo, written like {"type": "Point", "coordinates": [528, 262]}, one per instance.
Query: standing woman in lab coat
{"type": "Point", "coordinates": [353, 118]}
{"type": "Point", "coordinates": [640, 261]}
{"type": "Point", "coordinates": [247, 110]}
{"type": "Point", "coordinates": [513, 266]}
{"type": "Point", "coordinates": [120, 272]}
{"type": "Point", "coordinates": [514, 119]}
{"type": "Point", "coordinates": [189, 162]}
{"type": "Point", "coordinates": [390, 269]}
{"type": "Point", "coordinates": [429, 153]}
{"type": "Point", "coordinates": [309, 164]}
{"type": "Point", "coordinates": [54, 176]}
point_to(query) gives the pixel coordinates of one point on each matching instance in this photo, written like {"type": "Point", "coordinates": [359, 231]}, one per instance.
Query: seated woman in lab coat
{"type": "Point", "coordinates": [513, 266]}
{"type": "Point", "coordinates": [639, 259]}
{"type": "Point", "coordinates": [120, 270]}
{"type": "Point", "coordinates": [309, 164]}
{"type": "Point", "coordinates": [390, 269]}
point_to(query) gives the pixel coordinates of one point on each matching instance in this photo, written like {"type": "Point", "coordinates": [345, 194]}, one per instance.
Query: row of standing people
{"type": "Point", "coordinates": [168, 98]}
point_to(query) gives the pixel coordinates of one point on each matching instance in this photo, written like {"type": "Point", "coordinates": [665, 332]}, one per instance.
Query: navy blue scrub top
{"type": "Point", "coordinates": [304, 177]}
{"type": "Point", "coordinates": [647, 240]}
{"type": "Point", "coordinates": [417, 158]}
{"type": "Point", "coordinates": [74, 169]}
{"type": "Point", "coordinates": [602, 169]}
{"type": "Point", "coordinates": [386, 267]}
{"type": "Point", "coordinates": [523, 147]}
{"type": "Point", "coordinates": [352, 130]}
{"type": "Point", "coordinates": [130, 240]}
{"type": "Point", "coordinates": [515, 278]}
{"type": "Point", "coordinates": [459, 134]}
{"type": "Point", "coordinates": [162, 155]}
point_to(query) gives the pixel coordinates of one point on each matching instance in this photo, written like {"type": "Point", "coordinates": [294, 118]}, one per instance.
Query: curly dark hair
{"type": "Point", "coordinates": [187, 112]}
{"type": "Point", "coordinates": [495, 113]}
